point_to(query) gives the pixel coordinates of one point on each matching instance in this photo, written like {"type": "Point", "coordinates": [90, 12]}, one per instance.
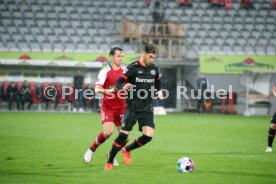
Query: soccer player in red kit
{"type": "Point", "coordinates": [113, 107]}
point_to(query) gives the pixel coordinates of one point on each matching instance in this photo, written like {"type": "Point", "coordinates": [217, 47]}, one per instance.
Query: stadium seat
{"type": "Point", "coordinates": [270, 50]}
{"type": "Point", "coordinates": [43, 21]}
{"type": "Point", "coordinates": [47, 47]}
{"type": "Point", "coordinates": [249, 50]}
{"type": "Point", "coordinates": [227, 49]}
{"type": "Point", "coordinates": [260, 50]}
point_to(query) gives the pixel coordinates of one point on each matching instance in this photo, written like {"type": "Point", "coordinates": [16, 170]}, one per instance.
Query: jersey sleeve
{"type": "Point", "coordinates": [128, 72]}
{"type": "Point", "coordinates": [157, 80]}
{"type": "Point", "coordinates": [157, 77]}
{"type": "Point", "coordinates": [101, 77]}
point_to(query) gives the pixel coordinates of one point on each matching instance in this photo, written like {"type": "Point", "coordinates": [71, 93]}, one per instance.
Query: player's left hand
{"type": "Point", "coordinates": [127, 86]}
{"type": "Point", "coordinates": [159, 95]}
{"type": "Point", "coordinates": [274, 90]}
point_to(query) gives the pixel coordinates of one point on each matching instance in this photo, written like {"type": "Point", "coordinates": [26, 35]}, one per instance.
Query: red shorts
{"type": "Point", "coordinates": [113, 115]}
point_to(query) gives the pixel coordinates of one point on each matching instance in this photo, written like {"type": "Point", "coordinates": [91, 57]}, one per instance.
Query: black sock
{"type": "Point", "coordinates": [140, 141]}
{"type": "Point", "coordinates": [271, 135]}
{"type": "Point", "coordinates": [117, 146]}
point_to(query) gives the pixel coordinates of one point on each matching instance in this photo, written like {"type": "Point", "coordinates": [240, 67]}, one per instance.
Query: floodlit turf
{"type": "Point", "coordinates": [48, 148]}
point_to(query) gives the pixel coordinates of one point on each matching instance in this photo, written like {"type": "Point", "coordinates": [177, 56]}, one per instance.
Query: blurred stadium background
{"type": "Point", "coordinates": [46, 41]}
{"type": "Point", "coordinates": [233, 42]}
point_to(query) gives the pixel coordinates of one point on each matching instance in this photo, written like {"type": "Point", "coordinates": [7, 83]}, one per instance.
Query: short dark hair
{"type": "Point", "coordinates": [113, 50]}
{"type": "Point", "coordinates": [150, 49]}
{"type": "Point", "coordinates": [157, 3]}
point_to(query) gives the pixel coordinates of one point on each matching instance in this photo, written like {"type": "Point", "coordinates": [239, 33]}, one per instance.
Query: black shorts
{"type": "Point", "coordinates": [143, 118]}
{"type": "Point", "coordinates": [273, 120]}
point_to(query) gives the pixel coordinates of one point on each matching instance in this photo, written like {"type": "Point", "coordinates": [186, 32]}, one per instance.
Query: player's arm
{"type": "Point", "coordinates": [100, 89]}
{"type": "Point", "coordinates": [121, 84]}
{"type": "Point", "coordinates": [122, 81]}
{"type": "Point", "coordinates": [157, 86]}
{"type": "Point", "coordinates": [100, 83]}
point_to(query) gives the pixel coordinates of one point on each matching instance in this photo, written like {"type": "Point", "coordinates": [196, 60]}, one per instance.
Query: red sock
{"type": "Point", "coordinates": [99, 140]}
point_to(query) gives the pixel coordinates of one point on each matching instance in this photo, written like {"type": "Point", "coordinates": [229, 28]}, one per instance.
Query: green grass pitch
{"type": "Point", "coordinates": [48, 148]}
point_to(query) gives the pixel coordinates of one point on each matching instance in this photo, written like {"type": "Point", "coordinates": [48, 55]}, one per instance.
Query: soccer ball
{"type": "Point", "coordinates": [185, 165]}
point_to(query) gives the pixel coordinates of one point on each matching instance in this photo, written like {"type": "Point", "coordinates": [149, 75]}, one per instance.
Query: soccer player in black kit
{"type": "Point", "coordinates": [142, 82]}
{"type": "Point", "coordinates": [272, 128]}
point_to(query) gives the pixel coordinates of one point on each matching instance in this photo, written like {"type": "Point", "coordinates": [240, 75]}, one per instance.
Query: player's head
{"type": "Point", "coordinates": [201, 75]}
{"type": "Point", "coordinates": [116, 55]}
{"type": "Point", "coordinates": [25, 83]}
{"type": "Point", "coordinates": [149, 54]}
{"type": "Point", "coordinates": [78, 72]}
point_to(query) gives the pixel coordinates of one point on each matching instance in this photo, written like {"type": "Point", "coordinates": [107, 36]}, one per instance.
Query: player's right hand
{"type": "Point", "coordinates": [108, 91]}
{"type": "Point", "coordinates": [159, 95]}
{"type": "Point", "coordinates": [127, 86]}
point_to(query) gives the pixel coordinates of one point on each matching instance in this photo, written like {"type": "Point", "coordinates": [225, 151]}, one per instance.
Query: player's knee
{"type": "Point", "coordinates": [121, 139]}
{"type": "Point", "coordinates": [149, 134]}
{"type": "Point", "coordinates": [148, 138]}
{"type": "Point", "coordinates": [144, 139]}
{"type": "Point", "coordinates": [271, 132]}
{"type": "Point", "coordinates": [124, 132]}
{"type": "Point", "coordinates": [148, 131]}
{"type": "Point", "coordinates": [108, 132]}
{"type": "Point", "coordinates": [273, 126]}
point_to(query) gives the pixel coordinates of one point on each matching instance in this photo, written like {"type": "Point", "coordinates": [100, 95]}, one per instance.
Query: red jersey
{"type": "Point", "coordinates": [107, 78]}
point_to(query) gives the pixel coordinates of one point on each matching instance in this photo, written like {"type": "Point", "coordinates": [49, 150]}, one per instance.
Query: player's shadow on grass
{"type": "Point", "coordinates": [54, 171]}
{"type": "Point", "coordinates": [216, 153]}
{"type": "Point", "coordinates": [37, 173]}
{"type": "Point", "coordinates": [238, 173]}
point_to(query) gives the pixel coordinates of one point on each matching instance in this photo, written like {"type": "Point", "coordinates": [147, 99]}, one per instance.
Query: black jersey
{"type": "Point", "coordinates": [145, 79]}
{"type": "Point", "coordinates": [273, 119]}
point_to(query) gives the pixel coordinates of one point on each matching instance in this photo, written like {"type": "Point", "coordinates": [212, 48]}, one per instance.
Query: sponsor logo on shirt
{"type": "Point", "coordinates": [144, 80]}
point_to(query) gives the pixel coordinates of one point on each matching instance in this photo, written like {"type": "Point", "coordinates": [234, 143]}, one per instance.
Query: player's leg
{"type": "Point", "coordinates": [139, 142]}
{"type": "Point", "coordinates": [116, 147]}
{"type": "Point", "coordinates": [100, 139]}
{"type": "Point", "coordinates": [30, 103]}
{"type": "Point", "coordinates": [203, 104]}
{"type": "Point", "coordinates": [118, 123]}
{"type": "Point", "coordinates": [118, 120]}
{"type": "Point", "coordinates": [119, 128]}
{"type": "Point", "coordinates": [17, 100]}
{"type": "Point", "coordinates": [103, 136]}
{"type": "Point", "coordinates": [107, 121]}
{"type": "Point", "coordinates": [147, 136]}
{"type": "Point", "coordinates": [129, 121]}
{"type": "Point", "coordinates": [22, 103]}
{"type": "Point", "coordinates": [146, 125]}
{"type": "Point", "coordinates": [198, 106]}
{"type": "Point", "coordinates": [271, 134]}
{"type": "Point", "coordinates": [9, 102]}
